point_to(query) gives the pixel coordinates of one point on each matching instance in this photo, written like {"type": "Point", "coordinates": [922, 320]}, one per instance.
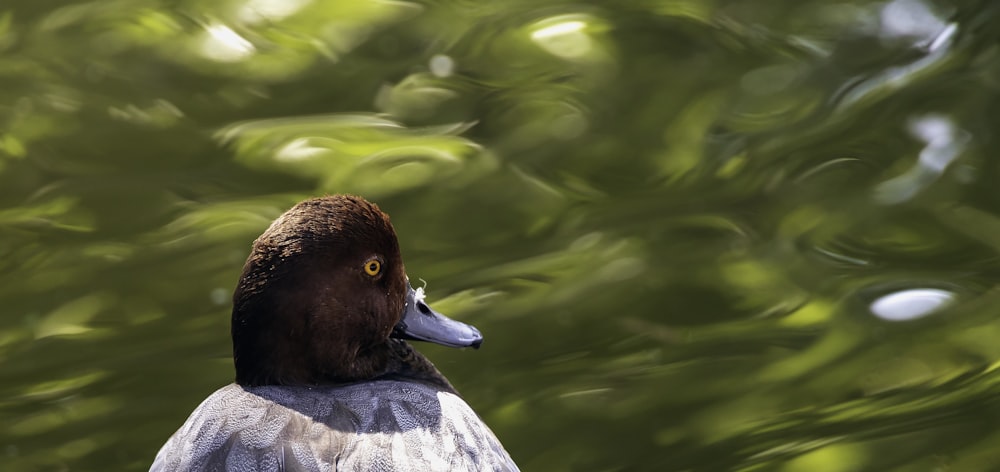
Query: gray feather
{"type": "Point", "coordinates": [382, 425]}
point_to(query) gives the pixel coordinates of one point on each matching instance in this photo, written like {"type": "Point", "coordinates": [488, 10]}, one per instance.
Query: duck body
{"type": "Point", "coordinates": [380, 425]}
{"type": "Point", "coordinates": [325, 377]}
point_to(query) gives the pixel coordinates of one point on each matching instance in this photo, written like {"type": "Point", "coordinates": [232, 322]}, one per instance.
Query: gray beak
{"type": "Point", "coordinates": [421, 323]}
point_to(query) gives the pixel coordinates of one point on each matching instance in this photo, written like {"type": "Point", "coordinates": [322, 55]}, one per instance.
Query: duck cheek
{"type": "Point", "coordinates": [387, 323]}
{"type": "Point", "coordinates": [388, 315]}
{"type": "Point", "coordinates": [378, 323]}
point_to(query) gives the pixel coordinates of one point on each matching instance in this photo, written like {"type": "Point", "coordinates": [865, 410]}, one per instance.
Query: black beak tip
{"type": "Point", "coordinates": [475, 344]}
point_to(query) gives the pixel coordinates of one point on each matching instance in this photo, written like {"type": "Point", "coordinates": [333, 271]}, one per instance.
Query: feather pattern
{"type": "Point", "coordinates": [379, 425]}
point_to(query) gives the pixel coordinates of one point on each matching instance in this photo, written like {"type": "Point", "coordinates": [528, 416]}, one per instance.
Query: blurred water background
{"type": "Point", "coordinates": [698, 235]}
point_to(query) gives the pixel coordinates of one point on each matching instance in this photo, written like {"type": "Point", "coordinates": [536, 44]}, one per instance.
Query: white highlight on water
{"type": "Point", "coordinates": [911, 304]}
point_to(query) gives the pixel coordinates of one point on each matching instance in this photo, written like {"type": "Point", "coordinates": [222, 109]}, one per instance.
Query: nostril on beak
{"type": "Point", "coordinates": [423, 308]}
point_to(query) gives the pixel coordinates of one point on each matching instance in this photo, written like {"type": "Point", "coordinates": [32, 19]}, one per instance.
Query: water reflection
{"type": "Point", "coordinates": [223, 44]}
{"type": "Point", "coordinates": [943, 141]}
{"type": "Point", "coordinates": [563, 36]}
{"type": "Point", "coordinates": [911, 304]}
{"type": "Point", "coordinates": [683, 226]}
{"type": "Point", "coordinates": [256, 11]}
{"type": "Point", "coordinates": [441, 65]}
{"type": "Point", "coordinates": [358, 153]}
{"type": "Point", "coordinates": [912, 20]}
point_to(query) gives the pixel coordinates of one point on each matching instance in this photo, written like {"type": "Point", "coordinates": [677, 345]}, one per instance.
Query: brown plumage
{"type": "Point", "coordinates": [304, 312]}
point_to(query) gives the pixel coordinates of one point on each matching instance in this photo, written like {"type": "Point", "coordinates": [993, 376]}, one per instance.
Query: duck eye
{"type": "Point", "coordinates": [373, 267]}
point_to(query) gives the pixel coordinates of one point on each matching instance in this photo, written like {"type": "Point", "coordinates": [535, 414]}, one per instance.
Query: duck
{"type": "Point", "coordinates": [326, 376]}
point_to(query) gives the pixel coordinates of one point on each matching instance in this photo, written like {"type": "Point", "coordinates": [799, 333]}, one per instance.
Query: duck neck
{"type": "Point", "coordinates": [407, 363]}
{"type": "Point", "coordinates": [271, 359]}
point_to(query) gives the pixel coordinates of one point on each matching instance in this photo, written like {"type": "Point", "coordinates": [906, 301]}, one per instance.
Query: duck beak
{"type": "Point", "coordinates": [421, 323]}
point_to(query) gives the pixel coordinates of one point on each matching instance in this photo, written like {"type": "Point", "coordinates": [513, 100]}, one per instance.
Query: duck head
{"type": "Point", "coordinates": [322, 296]}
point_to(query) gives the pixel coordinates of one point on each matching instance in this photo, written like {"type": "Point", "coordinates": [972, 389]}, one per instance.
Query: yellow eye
{"type": "Point", "coordinates": [373, 267]}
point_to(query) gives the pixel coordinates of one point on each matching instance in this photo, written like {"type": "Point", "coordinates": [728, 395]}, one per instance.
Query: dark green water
{"type": "Point", "coordinates": [697, 235]}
